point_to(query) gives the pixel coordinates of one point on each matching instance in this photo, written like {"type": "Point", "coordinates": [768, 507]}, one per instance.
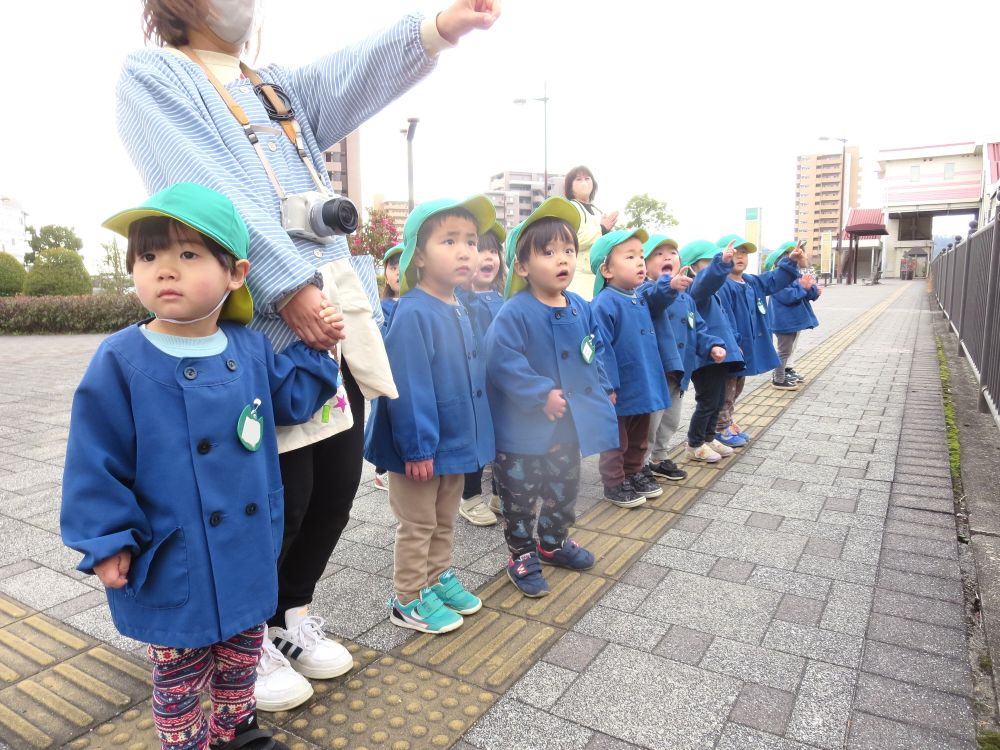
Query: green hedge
{"type": "Point", "coordinates": [101, 313]}
{"type": "Point", "coordinates": [12, 275]}
{"type": "Point", "coordinates": [57, 271]}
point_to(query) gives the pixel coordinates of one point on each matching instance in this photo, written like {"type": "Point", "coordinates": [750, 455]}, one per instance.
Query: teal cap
{"type": "Point", "coordinates": [775, 255]}
{"type": "Point", "coordinates": [737, 242]}
{"type": "Point", "coordinates": [654, 241]}
{"type": "Point", "coordinates": [498, 231]}
{"type": "Point", "coordinates": [555, 207]}
{"type": "Point", "coordinates": [392, 252]}
{"type": "Point", "coordinates": [206, 212]}
{"type": "Point", "coordinates": [603, 247]}
{"type": "Point", "coordinates": [479, 206]}
{"type": "Point", "coordinates": [692, 252]}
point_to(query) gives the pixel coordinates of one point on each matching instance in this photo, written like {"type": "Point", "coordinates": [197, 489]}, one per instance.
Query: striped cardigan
{"type": "Point", "coordinates": [177, 128]}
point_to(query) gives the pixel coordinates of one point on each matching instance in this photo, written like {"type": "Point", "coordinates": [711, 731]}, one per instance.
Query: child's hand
{"type": "Point", "coordinates": [333, 317]}
{"type": "Point", "coordinates": [797, 255]}
{"type": "Point", "coordinates": [807, 281]}
{"type": "Point", "coordinates": [113, 571]}
{"type": "Point", "coordinates": [464, 16]}
{"type": "Point", "coordinates": [608, 221]}
{"type": "Point", "coordinates": [555, 405]}
{"type": "Point", "coordinates": [614, 398]}
{"type": "Point", "coordinates": [420, 471]}
{"type": "Point", "coordinates": [680, 282]}
{"type": "Point", "coordinates": [729, 252]}
{"type": "Point", "coordinates": [717, 353]}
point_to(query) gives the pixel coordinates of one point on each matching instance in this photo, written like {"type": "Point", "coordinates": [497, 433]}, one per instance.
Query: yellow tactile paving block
{"type": "Point", "coordinates": [701, 475]}
{"type": "Point", "coordinates": [614, 553]}
{"type": "Point", "coordinates": [67, 699]}
{"type": "Point", "coordinates": [29, 645]}
{"type": "Point", "coordinates": [675, 498]}
{"type": "Point", "coordinates": [572, 593]}
{"type": "Point", "coordinates": [11, 611]}
{"type": "Point", "coordinates": [492, 649]}
{"type": "Point", "coordinates": [643, 523]}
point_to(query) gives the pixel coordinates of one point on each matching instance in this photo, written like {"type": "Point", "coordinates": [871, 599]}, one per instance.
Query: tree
{"type": "Point", "coordinates": [57, 271]}
{"type": "Point", "coordinates": [114, 277]}
{"type": "Point", "coordinates": [12, 275]}
{"type": "Point", "coordinates": [49, 237]}
{"type": "Point", "coordinates": [377, 235]}
{"type": "Point", "coordinates": [647, 212]}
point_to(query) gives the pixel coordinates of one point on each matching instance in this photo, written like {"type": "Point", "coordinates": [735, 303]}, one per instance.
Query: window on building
{"type": "Point", "coordinates": [949, 170]}
{"type": "Point", "coordinates": [915, 173]}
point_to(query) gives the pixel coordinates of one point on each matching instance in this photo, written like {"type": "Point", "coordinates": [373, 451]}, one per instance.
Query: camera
{"type": "Point", "coordinates": [318, 216]}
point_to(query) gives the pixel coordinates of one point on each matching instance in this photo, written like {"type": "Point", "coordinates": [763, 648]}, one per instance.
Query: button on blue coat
{"type": "Point", "coordinates": [154, 466]}
{"type": "Point", "coordinates": [658, 297]}
{"type": "Point", "coordinates": [532, 348]}
{"type": "Point", "coordinates": [704, 291]}
{"type": "Point", "coordinates": [442, 411]}
{"type": "Point", "coordinates": [631, 355]}
{"type": "Point", "coordinates": [747, 309]}
{"type": "Point", "coordinates": [790, 310]}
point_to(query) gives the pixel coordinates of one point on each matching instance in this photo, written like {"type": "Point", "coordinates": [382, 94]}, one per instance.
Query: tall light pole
{"type": "Point", "coordinates": [408, 132]}
{"type": "Point", "coordinates": [840, 206]}
{"type": "Point", "coordinates": [544, 99]}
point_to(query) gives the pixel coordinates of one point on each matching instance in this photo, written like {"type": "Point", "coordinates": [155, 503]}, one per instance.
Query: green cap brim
{"type": "Point", "coordinates": [601, 249]}
{"type": "Point", "coordinates": [555, 207]}
{"type": "Point", "coordinates": [737, 241]}
{"type": "Point", "coordinates": [392, 252]}
{"type": "Point", "coordinates": [655, 241]}
{"type": "Point", "coordinates": [697, 250]}
{"type": "Point", "coordinates": [775, 255]}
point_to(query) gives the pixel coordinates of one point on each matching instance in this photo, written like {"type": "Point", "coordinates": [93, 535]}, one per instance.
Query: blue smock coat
{"type": "Point", "coordinates": [659, 296]}
{"type": "Point", "coordinates": [704, 291]}
{"type": "Point", "coordinates": [790, 310]}
{"type": "Point", "coordinates": [532, 348]}
{"type": "Point", "coordinates": [388, 305]}
{"type": "Point", "coordinates": [747, 309]}
{"type": "Point", "coordinates": [442, 411]}
{"type": "Point", "coordinates": [482, 307]}
{"type": "Point", "coordinates": [154, 466]}
{"type": "Point", "coordinates": [631, 355]}
{"type": "Point", "coordinates": [690, 334]}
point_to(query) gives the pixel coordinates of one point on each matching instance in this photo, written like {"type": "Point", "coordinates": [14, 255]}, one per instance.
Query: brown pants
{"type": "Point", "coordinates": [426, 512]}
{"type": "Point", "coordinates": [734, 387]}
{"type": "Point", "coordinates": [627, 459]}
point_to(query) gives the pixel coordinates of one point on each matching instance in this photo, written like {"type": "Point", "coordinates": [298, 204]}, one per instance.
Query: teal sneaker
{"type": "Point", "coordinates": [454, 595]}
{"type": "Point", "coordinates": [426, 614]}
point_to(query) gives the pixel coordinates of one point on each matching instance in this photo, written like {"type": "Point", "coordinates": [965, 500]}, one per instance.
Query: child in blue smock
{"type": "Point", "coordinates": [439, 428]}
{"type": "Point", "coordinates": [390, 296]}
{"type": "Point", "coordinates": [744, 296]}
{"type": "Point", "coordinates": [682, 337]}
{"type": "Point", "coordinates": [549, 395]}
{"type": "Point", "coordinates": [711, 268]}
{"type": "Point", "coordinates": [632, 360]}
{"type": "Point", "coordinates": [483, 299]}
{"type": "Point", "coordinates": [788, 313]}
{"type": "Point", "coordinates": [172, 489]}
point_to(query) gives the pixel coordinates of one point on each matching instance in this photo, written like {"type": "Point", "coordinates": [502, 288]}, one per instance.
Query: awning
{"type": "Point", "coordinates": [865, 223]}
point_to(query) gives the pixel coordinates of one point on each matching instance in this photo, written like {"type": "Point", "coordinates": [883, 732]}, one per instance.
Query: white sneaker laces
{"type": "Point", "coordinates": [308, 632]}
{"type": "Point", "coordinates": [271, 659]}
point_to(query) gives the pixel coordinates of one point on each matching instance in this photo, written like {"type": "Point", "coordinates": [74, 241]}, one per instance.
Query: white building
{"type": "Point", "coordinates": [517, 194]}
{"type": "Point", "coordinates": [13, 223]}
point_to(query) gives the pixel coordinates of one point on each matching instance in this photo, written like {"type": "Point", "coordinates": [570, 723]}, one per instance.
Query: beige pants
{"type": "Point", "coordinates": [426, 512]}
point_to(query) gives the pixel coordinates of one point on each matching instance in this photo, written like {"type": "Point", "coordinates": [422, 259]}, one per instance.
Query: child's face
{"type": "Point", "coordinates": [664, 259]}
{"type": "Point", "coordinates": [449, 257]}
{"type": "Point", "coordinates": [489, 267]}
{"type": "Point", "coordinates": [625, 267]}
{"type": "Point", "coordinates": [549, 270]}
{"type": "Point", "coordinates": [184, 281]}
{"type": "Point", "coordinates": [699, 265]}
{"type": "Point", "coordinates": [739, 261]}
{"type": "Point", "coordinates": [392, 274]}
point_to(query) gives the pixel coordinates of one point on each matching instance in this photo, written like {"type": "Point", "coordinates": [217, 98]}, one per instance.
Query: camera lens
{"type": "Point", "coordinates": [340, 215]}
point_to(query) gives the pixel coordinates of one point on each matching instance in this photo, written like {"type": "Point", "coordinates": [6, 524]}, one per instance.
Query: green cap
{"type": "Point", "coordinates": [392, 252]}
{"type": "Point", "coordinates": [692, 252]}
{"type": "Point", "coordinates": [206, 212]}
{"type": "Point", "coordinates": [478, 205]}
{"type": "Point", "coordinates": [603, 247]}
{"type": "Point", "coordinates": [654, 241]}
{"type": "Point", "coordinates": [775, 255]}
{"type": "Point", "coordinates": [498, 231]}
{"type": "Point", "coordinates": [554, 207]}
{"type": "Point", "coordinates": [737, 242]}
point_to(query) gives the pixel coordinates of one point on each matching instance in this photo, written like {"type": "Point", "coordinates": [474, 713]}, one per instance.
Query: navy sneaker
{"type": "Point", "coordinates": [790, 373]}
{"type": "Point", "coordinates": [645, 485]}
{"type": "Point", "coordinates": [525, 572]}
{"type": "Point", "coordinates": [570, 555]}
{"type": "Point", "coordinates": [667, 469]}
{"type": "Point", "coordinates": [730, 439]}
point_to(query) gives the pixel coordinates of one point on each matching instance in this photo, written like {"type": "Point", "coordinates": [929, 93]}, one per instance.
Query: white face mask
{"type": "Point", "coordinates": [233, 21]}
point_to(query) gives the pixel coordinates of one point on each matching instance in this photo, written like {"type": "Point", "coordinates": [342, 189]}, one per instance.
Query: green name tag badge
{"type": "Point", "coordinates": [760, 307]}
{"type": "Point", "coordinates": [250, 427]}
{"type": "Point", "coordinates": [691, 319]}
{"type": "Point", "coordinates": [587, 349]}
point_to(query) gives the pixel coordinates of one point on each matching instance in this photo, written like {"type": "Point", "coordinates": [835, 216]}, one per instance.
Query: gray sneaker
{"type": "Point", "coordinates": [645, 485]}
{"type": "Point", "coordinates": [624, 495]}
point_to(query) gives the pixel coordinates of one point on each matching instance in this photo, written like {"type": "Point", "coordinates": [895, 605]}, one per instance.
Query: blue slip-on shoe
{"type": "Point", "coordinates": [526, 573]}
{"type": "Point", "coordinates": [454, 595]}
{"type": "Point", "coordinates": [569, 555]}
{"type": "Point", "coordinates": [730, 439]}
{"type": "Point", "coordinates": [426, 613]}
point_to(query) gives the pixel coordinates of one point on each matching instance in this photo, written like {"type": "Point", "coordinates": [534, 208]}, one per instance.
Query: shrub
{"type": "Point", "coordinates": [12, 275]}
{"type": "Point", "coordinates": [101, 313]}
{"type": "Point", "coordinates": [57, 272]}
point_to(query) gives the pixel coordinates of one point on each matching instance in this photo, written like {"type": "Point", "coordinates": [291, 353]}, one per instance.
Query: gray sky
{"type": "Point", "coordinates": [704, 105]}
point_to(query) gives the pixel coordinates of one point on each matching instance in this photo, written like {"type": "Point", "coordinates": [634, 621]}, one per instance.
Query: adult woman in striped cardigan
{"type": "Point", "coordinates": [178, 128]}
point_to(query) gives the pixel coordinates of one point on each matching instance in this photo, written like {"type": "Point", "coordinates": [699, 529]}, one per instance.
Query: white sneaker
{"type": "Point", "coordinates": [702, 453]}
{"type": "Point", "coordinates": [307, 648]}
{"type": "Point", "coordinates": [382, 481]}
{"type": "Point", "coordinates": [721, 449]}
{"type": "Point", "coordinates": [476, 512]}
{"type": "Point", "coordinates": [278, 686]}
{"type": "Point", "coordinates": [495, 504]}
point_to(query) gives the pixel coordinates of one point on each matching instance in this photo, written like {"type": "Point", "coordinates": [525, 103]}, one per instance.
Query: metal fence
{"type": "Point", "coordinates": [966, 282]}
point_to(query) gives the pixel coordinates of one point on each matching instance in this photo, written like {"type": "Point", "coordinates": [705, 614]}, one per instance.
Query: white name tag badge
{"type": "Point", "coordinates": [250, 427]}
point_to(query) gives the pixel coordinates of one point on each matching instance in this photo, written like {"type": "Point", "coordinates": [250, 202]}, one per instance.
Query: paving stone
{"type": "Point", "coordinates": [731, 570]}
{"type": "Point", "coordinates": [21, 540]}
{"type": "Point", "coordinates": [691, 523]}
{"type": "Point", "coordinates": [778, 502]}
{"type": "Point", "coordinates": [919, 635]}
{"type": "Point", "coordinates": [649, 700]}
{"type": "Point", "coordinates": [600, 741]}
{"type": "Point", "coordinates": [941, 533]}
{"type": "Point", "coordinates": [862, 546]}
{"type": "Point", "coordinates": [841, 570]}
{"type": "Point", "coordinates": [97, 623]}
{"type": "Point", "coordinates": [684, 645]}
{"type": "Point", "coordinates": [754, 664]}
{"type": "Point", "coordinates": [782, 470]}
{"type": "Point", "coordinates": [944, 520]}
{"type": "Point", "coordinates": [828, 531]}
{"type": "Point", "coordinates": [912, 704]}
{"type": "Point", "coordinates": [621, 627]}
{"type": "Point", "coordinates": [679, 559]}
{"type": "Point", "coordinates": [799, 610]}
{"type": "Point", "coordinates": [823, 547]}
{"type": "Point", "coordinates": [677, 538]}
{"type": "Point", "coordinates": [931, 547]}
{"type": "Point", "coordinates": [823, 706]}
{"type": "Point", "coordinates": [875, 733]}
{"type": "Point", "coordinates": [921, 585]}
{"type": "Point", "coordinates": [644, 575]}
{"type": "Point", "coordinates": [712, 606]}
{"type": "Point", "coordinates": [787, 582]}
{"type": "Point", "coordinates": [814, 643]}
{"type": "Point", "coordinates": [543, 685]}
{"type": "Point", "coordinates": [841, 504]}
{"type": "Point", "coordinates": [922, 502]}
{"type": "Point", "coordinates": [764, 521]}
{"type": "Point", "coordinates": [574, 651]}
{"type": "Point", "coordinates": [715, 512]}
{"type": "Point", "coordinates": [791, 485]}
{"type": "Point", "coordinates": [848, 608]}
{"type": "Point", "coordinates": [511, 723]}
{"type": "Point", "coordinates": [351, 601]}
{"type": "Point", "coordinates": [776, 549]}
{"type": "Point", "coordinates": [930, 566]}
{"type": "Point", "coordinates": [624, 597]}
{"type": "Point", "coordinates": [918, 667]}
{"type": "Point", "coordinates": [855, 520]}
{"type": "Point", "coordinates": [385, 636]}
{"type": "Point", "coordinates": [42, 588]}
{"type": "Point", "coordinates": [908, 606]}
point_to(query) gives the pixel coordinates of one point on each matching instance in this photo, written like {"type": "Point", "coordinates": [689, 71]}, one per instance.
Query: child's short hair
{"type": "Point", "coordinates": [490, 241]}
{"type": "Point", "coordinates": [157, 232]}
{"type": "Point", "coordinates": [166, 22]}
{"type": "Point", "coordinates": [388, 293]}
{"type": "Point", "coordinates": [435, 220]}
{"type": "Point", "coordinates": [572, 175]}
{"type": "Point", "coordinates": [540, 233]}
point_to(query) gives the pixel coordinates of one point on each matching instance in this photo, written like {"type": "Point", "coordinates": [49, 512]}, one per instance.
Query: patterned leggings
{"type": "Point", "coordinates": [525, 481]}
{"type": "Point", "coordinates": [179, 678]}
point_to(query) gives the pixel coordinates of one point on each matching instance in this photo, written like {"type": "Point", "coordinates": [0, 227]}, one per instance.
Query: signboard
{"type": "Point", "coordinates": [826, 253]}
{"type": "Point", "coordinates": [751, 232]}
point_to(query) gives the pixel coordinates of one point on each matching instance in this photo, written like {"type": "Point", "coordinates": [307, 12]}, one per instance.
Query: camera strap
{"type": "Point", "coordinates": [279, 109]}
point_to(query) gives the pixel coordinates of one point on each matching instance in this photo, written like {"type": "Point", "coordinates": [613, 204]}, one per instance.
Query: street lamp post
{"type": "Point", "coordinates": [409, 132]}
{"type": "Point", "coordinates": [840, 207]}
{"type": "Point", "coordinates": [544, 99]}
